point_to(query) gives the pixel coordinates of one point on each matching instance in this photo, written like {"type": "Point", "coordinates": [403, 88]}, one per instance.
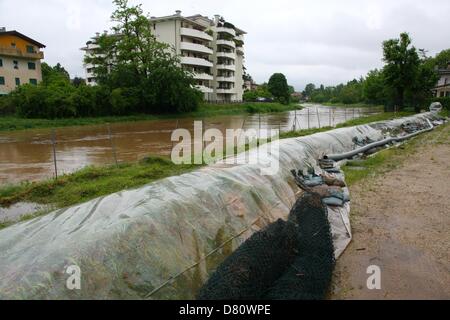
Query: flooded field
{"type": "Point", "coordinates": [28, 155]}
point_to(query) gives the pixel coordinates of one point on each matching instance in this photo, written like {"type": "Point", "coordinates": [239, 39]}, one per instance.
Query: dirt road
{"type": "Point", "coordinates": [401, 223]}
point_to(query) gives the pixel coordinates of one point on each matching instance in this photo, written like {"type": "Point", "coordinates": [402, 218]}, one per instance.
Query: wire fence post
{"type": "Point", "coordinates": [54, 153]}
{"type": "Point", "coordinates": [330, 116]}
{"type": "Point", "coordinates": [318, 118]}
{"type": "Point", "coordinates": [353, 113]}
{"type": "Point", "coordinates": [176, 128]}
{"type": "Point", "coordinates": [308, 120]}
{"type": "Point", "coordinates": [113, 147]}
{"type": "Point", "coordinates": [259, 130]}
{"type": "Point", "coordinates": [203, 135]}
{"type": "Point", "coordinates": [294, 127]}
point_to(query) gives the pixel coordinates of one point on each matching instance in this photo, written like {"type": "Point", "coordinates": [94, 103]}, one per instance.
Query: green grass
{"type": "Point", "coordinates": [93, 182]}
{"type": "Point", "coordinates": [11, 123]}
{"type": "Point", "coordinates": [445, 113]}
{"type": "Point", "coordinates": [353, 105]}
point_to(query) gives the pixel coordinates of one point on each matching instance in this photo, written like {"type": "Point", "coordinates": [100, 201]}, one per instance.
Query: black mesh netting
{"type": "Point", "coordinates": [285, 261]}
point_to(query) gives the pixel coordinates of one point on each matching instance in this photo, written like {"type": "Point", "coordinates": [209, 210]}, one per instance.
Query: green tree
{"type": "Point", "coordinates": [426, 80]}
{"type": "Point", "coordinates": [309, 89]}
{"type": "Point", "coordinates": [77, 81]}
{"type": "Point", "coordinates": [52, 74]}
{"type": "Point", "coordinates": [279, 88]}
{"type": "Point", "coordinates": [132, 59]}
{"type": "Point", "coordinates": [442, 59]}
{"type": "Point", "coordinates": [402, 67]}
{"type": "Point", "coordinates": [373, 90]}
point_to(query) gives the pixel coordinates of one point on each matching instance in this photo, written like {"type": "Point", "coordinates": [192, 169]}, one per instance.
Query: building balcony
{"type": "Point", "coordinates": [205, 89]}
{"type": "Point", "coordinates": [226, 91]}
{"type": "Point", "coordinates": [196, 62]}
{"type": "Point", "coordinates": [196, 34]}
{"type": "Point", "coordinates": [240, 50]}
{"type": "Point", "coordinates": [230, 67]}
{"type": "Point", "coordinates": [226, 79]}
{"type": "Point", "coordinates": [226, 30]}
{"type": "Point", "coordinates": [226, 43]}
{"type": "Point", "coordinates": [230, 55]}
{"type": "Point", "coordinates": [195, 47]}
{"type": "Point", "coordinates": [203, 76]}
{"type": "Point", "coordinates": [240, 37]}
{"type": "Point", "coordinates": [13, 52]}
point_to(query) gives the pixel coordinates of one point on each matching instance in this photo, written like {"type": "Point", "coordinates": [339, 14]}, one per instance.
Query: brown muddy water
{"type": "Point", "coordinates": [28, 155]}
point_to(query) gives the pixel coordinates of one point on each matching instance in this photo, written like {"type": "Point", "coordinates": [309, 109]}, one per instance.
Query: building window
{"type": "Point", "coordinates": [16, 64]}
{"type": "Point", "coordinates": [13, 44]}
{"type": "Point", "coordinates": [17, 81]}
{"type": "Point", "coordinates": [447, 94]}
{"type": "Point", "coordinates": [2, 81]}
{"type": "Point", "coordinates": [1, 63]}
{"type": "Point", "coordinates": [30, 49]}
{"type": "Point", "coordinates": [33, 81]}
{"type": "Point", "coordinates": [31, 66]}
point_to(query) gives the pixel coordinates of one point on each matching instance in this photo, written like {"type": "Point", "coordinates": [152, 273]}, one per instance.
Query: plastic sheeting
{"type": "Point", "coordinates": [163, 240]}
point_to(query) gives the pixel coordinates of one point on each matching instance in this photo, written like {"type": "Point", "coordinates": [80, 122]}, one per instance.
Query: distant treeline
{"type": "Point", "coordinates": [406, 80]}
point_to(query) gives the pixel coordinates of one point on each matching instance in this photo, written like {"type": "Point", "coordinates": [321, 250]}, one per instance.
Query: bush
{"type": "Point", "coordinates": [7, 106]}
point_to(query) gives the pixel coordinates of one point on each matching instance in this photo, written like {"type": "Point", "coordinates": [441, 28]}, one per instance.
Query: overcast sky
{"type": "Point", "coordinates": [320, 41]}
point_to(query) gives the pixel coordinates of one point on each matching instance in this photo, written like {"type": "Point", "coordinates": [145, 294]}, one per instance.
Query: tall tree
{"type": "Point", "coordinates": [402, 66]}
{"type": "Point", "coordinates": [309, 90]}
{"type": "Point", "coordinates": [149, 71]}
{"type": "Point", "coordinates": [56, 73]}
{"type": "Point", "coordinates": [442, 59]}
{"type": "Point", "coordinates": [279, 88]}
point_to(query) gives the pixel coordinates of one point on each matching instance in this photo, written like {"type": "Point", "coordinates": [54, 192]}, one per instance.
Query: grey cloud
{"type": "Point", "coordinates": [321, 41]}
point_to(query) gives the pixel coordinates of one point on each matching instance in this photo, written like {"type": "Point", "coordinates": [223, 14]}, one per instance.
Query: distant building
{"type": "Point", "coordinates": [250, 86]}
{"type": "Point", "coordinates": [212, 49]}
{"type": "Point", "coordinates": [297, 95]}
{"type": "Point", "coordinates": [20, 60]}
{"type": "Point", "coordinates": [443, 87]}
{"type": "Point", "coordinates": [90, 50]}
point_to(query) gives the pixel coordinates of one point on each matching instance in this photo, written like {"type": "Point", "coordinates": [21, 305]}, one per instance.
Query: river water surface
{"type": "Point", "coordinates": [28, 155]}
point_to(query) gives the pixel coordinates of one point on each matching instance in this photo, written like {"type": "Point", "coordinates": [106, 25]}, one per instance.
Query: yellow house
{"type": "Point", "coordinates": [20, 60]}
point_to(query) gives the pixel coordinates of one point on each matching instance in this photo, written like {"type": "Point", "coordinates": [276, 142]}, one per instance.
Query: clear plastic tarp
{"type": "Point", "coordinates": [163, 240]}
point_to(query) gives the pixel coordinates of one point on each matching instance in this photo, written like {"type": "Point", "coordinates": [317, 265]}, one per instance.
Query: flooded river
{"type": "Point", "coordinates": [28, 155]}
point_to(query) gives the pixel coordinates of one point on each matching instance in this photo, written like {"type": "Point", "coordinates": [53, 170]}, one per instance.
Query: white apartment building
{"type": "Point", "coordinates": [212, 49]}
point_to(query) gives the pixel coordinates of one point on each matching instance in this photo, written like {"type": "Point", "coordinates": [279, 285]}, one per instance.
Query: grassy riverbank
{"type": "Point", "coordinates": [11, 123]}
{"type": "Point", "coordinates": [350, 123]}
{"type": "Point", "coordinates": [93, 182]}
{"type": "Point", "coordinates": [354, 105]}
